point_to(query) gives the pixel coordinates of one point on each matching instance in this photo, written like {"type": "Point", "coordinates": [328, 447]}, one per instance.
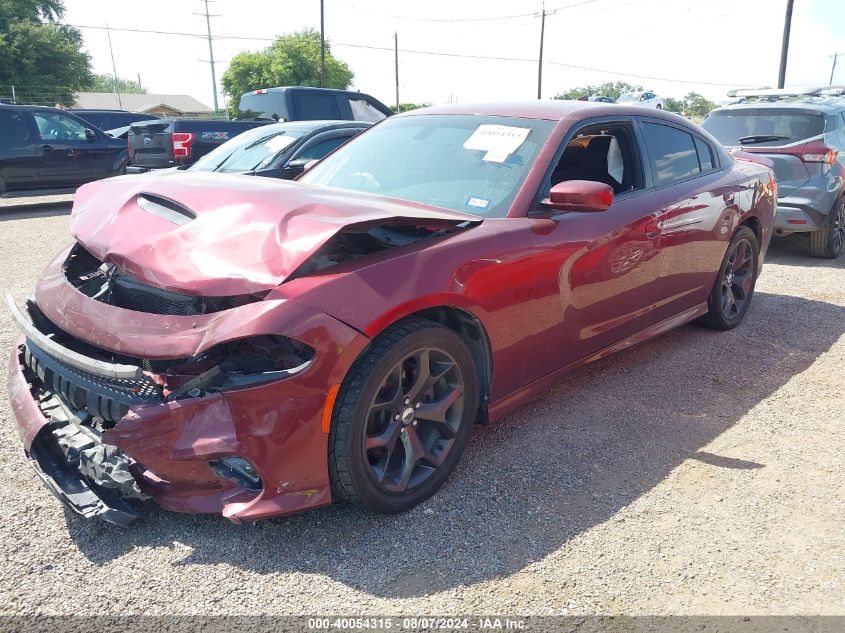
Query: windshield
{"type": "Point", "coordinates": [466, 163]}
{"type": "Point", "coordinates": [762, 127]}
{"type": "Point", "coordinates": [254, 149]}
{"type": "Point", "coordinates": [628, 96]}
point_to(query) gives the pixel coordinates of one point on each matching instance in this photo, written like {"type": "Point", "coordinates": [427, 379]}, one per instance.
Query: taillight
{"type": "Point", "coordinates": [818, 152]}
{"type": "Point", "coordinates": [812, 152]}
{"type": "Point", "coordinates": [263, 91]}
{"type": "Point", "coordinates": [182, 144]}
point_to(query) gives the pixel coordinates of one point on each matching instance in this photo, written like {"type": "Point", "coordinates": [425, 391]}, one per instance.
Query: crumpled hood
{"type": "Point", "coordinates": [217, 234]}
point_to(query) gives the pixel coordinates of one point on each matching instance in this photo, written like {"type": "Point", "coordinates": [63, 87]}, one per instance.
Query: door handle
{"type": "Point", "coordinates": [653, 229]}
{"type": "Point", "coordinates": [47, 148]}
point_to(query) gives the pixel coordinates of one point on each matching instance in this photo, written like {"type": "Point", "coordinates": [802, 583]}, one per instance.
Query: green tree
{"type": "Point", "coordinates": [697, 106]}
{"type": "Point", "coordinates": [673, 105]}
{"type": "Point", "coordinates": [610, 89]}
{"type": "Point", "coordinates": [105, 82]}
{"type": "Point", "coordinates": [292, 60]}
{"type": "Point", "coordinates": [42, 59]}
{"type": "Point", "coordinates": [405, 107]}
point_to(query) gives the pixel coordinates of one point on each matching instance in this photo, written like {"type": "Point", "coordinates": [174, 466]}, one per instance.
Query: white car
{"type": "Point", "coordinates": [644, 99]}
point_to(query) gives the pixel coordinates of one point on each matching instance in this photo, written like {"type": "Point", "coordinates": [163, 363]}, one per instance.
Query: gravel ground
{"type": "Point", "coordinates": [701, 473]}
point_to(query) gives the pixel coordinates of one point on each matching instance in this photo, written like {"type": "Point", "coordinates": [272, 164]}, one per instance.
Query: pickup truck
{"type": "Point", "coordinates": [298, 103]}
{"type": "Point", "coordinates": [178, 142]}
{"type": "Point", "coordinates": [181, 142]}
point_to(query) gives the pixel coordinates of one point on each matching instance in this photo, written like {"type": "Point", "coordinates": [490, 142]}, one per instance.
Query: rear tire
{"type": "Point", "coordinates": [828, 242]}
{"type": "Point", "coordinates": [398, 430]}
{"type": "Point", "coordinates": [731, 294]}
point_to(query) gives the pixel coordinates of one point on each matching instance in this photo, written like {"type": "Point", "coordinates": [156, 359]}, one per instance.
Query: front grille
{"type": "Point", "coordinates": [106, 398]}
{"type": "Point", "coordinates": [132, 294]}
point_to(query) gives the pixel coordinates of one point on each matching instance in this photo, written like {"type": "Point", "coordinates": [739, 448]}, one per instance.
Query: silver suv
{"type": "Point", "coordinates": [803, 134]}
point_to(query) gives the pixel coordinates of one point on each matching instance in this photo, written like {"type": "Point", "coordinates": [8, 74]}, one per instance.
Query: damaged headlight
{"type": "Point", "coordinates": [239, 470]}
{"type": "Point", "coordinates": [239, 363]}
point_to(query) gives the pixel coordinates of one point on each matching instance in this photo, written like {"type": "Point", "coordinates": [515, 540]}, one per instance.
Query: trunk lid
{"type": "Point", "coordinates": [222, 235]}
{"type": "Point", "coordinates": [791, 172]}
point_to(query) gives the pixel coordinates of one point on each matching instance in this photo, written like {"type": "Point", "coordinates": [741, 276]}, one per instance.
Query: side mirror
{"type": "Point", "coordinates": [579, 195]}
{"type": "Point", "coordinates": [90, 135]}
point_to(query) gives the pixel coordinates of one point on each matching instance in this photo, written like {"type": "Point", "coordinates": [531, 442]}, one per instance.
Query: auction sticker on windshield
{"type": "Point", "coordinates": [499, 141]}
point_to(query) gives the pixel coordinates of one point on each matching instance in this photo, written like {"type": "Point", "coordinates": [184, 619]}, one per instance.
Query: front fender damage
{"type": "Point", "coordinates": [167, 450]}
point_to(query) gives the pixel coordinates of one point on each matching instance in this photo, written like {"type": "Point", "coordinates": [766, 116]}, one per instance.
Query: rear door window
{"type": "Point", "coordinates": [12, 128]}
{"type": "Point", "coordinates": [363, 110]}
{"type": "Point", "coordinates": [705, 155]}
{"type": "Point", "coordinates": [313, 107]}
{"type": "Point", "coordinates": [673, 152]}
{"type": "Point", "coordinates": [763, 127]}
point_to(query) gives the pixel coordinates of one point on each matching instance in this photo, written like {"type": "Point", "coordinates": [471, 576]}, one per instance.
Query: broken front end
{"type": "Point", "coordinates": [122, 391]}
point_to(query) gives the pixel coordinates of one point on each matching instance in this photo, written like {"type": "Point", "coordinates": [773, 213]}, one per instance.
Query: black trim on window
{"type": "Point", "coordinates": [716, 155]}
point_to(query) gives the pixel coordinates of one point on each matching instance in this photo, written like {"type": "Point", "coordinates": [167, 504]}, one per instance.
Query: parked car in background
{"type": "Point", "coordinates": [178, 142]}
{"type": "Point", "coordinates": [601, 99]}
{"type": "Point", "coordinates": [803, 133]}
{"type": "Point", "coordinates": [111, 119]}
{"type": "Point", "coordinates": [47, 150]}
{"type": "Point", "coordinates": [279, 150]}
{"type": "Point", "coordinates": [257, 347]}
{"type": "Point", "coordinates": [642, 99]}
{"type": "Point", "coordinates": [298, 103]}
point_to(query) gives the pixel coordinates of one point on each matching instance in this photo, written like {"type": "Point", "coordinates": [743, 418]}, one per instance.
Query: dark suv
{"type": "Point", "coordinates": [47, 150]}
{"type": "Point", "coordinates": [803, 134]}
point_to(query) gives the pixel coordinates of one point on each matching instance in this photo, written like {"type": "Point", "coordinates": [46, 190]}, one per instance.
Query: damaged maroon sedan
{"type": "Point", "coordinates": [232, 345]}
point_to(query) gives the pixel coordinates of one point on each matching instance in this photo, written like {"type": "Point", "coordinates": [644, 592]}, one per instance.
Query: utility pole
{"type": "Point", "coordinates": [140, 87]}
{"type": "Point", "coordinates": [396, 66]}
{"type": "Point", "coordinates": [208, 17]}
{"type": "Point", "coordinates": [114, 68]}
{"type": "Point", "coordinates": [540, 61]}
{"type": "Point", "coordinates": [322, 47]}
{"type": "Point", "coordinates": [835, 57]}
{"type": "Point", "coordinates": [784, 47]}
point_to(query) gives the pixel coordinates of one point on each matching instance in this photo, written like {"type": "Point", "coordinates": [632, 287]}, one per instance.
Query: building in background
{"type": "Point", "coordinates": [160, 105]}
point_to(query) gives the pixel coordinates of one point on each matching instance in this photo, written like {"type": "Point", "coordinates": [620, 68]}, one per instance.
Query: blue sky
{"type": "Point", "coordinates": [681, 45]}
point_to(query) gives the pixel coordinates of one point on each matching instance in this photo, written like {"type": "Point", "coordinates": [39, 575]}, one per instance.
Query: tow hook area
{"type": "Point", "coordinates": [91, 478]}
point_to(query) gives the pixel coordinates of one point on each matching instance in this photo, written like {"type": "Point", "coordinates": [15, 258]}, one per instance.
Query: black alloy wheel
{"type": "Point", "coordinates": [414, 419]}
{"type": "Point", "coordinates": [829, 241]}
{"type": "Point", "coordinates": [737, 279]}
{"type": "Point", "coordinates": [403, 416]}
{"type": "Point", "coordinates": [734, 286]}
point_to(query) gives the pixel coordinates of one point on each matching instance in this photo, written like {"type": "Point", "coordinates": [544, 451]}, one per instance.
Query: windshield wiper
{"type": "Point", "coordinates": [760, 138]}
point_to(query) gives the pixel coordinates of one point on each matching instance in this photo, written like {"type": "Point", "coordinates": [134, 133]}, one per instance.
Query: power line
{"type": "Point", "coordinates": [430, 53]}
{"type": "Point", "coordinates": [487, 19]}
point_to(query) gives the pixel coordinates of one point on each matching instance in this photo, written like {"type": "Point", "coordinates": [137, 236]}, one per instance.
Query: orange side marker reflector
{"type": "Point", "coordinates": [331, 396]}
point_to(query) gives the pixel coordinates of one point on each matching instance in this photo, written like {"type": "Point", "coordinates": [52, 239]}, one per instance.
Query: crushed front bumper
{"type": "Point", "coordinates": [166, 449]}
{"type": "Point", "coordinates": [90, 478]}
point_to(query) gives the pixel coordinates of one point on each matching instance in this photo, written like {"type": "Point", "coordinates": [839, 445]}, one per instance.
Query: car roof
{"type": "Point", "coordinates": [549, 109]}
{"type": "Point", "coordinates": [309, 126]}
{"type": "Point", "coordinates": [22, 106]}
{"type": "Point", "coordinates": [827, 105]}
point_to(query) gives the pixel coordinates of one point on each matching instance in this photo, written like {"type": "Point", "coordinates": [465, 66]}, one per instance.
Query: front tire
{"type": "Point", "coordinates": [403, 417]}
{"type": "Point", "coordinates": [731, 294]}
{"type": "Point", "coordinates": [828, 242]}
